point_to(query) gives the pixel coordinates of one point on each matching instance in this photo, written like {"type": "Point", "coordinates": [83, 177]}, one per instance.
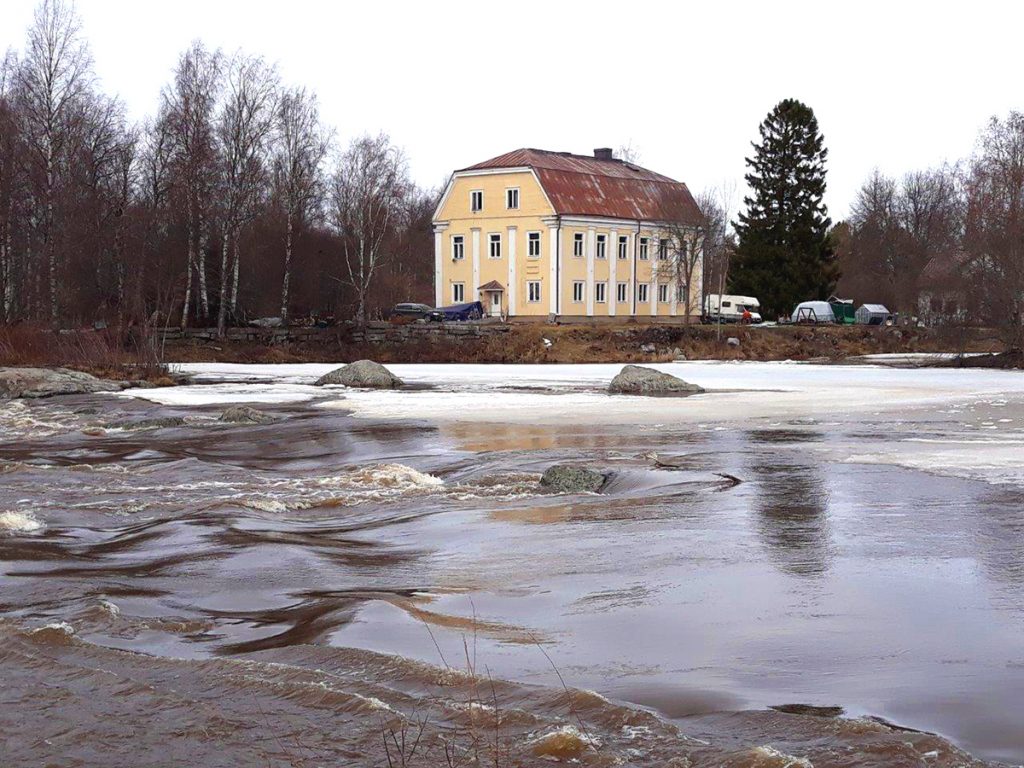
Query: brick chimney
{"type": "Point", "coordinates": [604, 153]}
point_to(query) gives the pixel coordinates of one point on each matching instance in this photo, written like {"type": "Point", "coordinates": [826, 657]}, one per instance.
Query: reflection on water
{"type": "Point", "coordinates": [260, 570]}
{"type": "Point", "coordinates": [791, 505]}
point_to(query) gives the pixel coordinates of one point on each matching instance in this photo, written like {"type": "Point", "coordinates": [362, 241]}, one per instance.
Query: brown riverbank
{"type": "Point", "coordinates": [580, 344]}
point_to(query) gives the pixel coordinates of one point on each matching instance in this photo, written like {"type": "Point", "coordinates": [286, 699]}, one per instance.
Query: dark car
{"type": "Point", "coordinates": [411, 311]}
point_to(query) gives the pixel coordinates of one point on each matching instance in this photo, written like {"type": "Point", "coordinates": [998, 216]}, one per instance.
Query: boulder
{"type": "Point", "coordinates": [160, 422]}
{"type": "Point", "coordinates": [565, 478]}
{"type": "Point", "coordinates": [732, 341]}
{"type": "Point", "coordinates": [243, 414]}
{"type": "Point", "coordinates": [47, 382]}
{"type": "Point", "coordinates": [267, 322]}
{"type": "Point", "coordinates": [361, 373]}
{"type": "Point", "coordinates": [639, 380]}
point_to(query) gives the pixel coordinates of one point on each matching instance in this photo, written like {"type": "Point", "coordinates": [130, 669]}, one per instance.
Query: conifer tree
{"type": "Point", "coordinates": [784, 254]}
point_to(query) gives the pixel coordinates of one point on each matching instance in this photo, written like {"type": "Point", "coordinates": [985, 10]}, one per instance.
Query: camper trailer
{"type": "Point", "coordinates": [723, 308]}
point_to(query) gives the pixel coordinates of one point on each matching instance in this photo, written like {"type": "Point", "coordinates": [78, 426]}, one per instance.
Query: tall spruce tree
{"type": "Point", "coordinates": [785, 255]}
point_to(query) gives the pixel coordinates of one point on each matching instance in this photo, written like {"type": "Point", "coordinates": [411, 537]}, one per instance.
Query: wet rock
{"type": "Point", "coordinates": [638, 380]}
{"type": "Point", "coordinates": [361, 373]}
{"type": "Point", "coordinates": [94, 431]}
{"type": "Point", "coordinates": [808, 709]}
{"type": "Point", "coordinates": [732, 341]}
{"type": "Point", "coordinates": [47, 382]}
{"type": "Point", "coordinates": [563, 478]}
{"type": "Point", "coordinates": [161, 422]}
{"type": "Point", "coordinates": [243, 414]}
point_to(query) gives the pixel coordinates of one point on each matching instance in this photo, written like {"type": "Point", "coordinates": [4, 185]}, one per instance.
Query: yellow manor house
{"type": "Point", "coordinates": [535, 234]}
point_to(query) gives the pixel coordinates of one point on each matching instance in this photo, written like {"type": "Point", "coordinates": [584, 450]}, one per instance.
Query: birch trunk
{"type": "Point", "coordinates": [222, 305]}
{"type": "Point", "coordinates": [287, 269]}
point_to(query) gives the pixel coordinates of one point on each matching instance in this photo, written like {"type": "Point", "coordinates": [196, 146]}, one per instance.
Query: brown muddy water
{"type": "Point", "coordinates": [304, 593]}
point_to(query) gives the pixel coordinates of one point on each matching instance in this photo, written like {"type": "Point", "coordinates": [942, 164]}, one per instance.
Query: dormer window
{"type": "Point", "coordinates": [476, 200]}
{"type": "Point", "coordinates": [512, 198]}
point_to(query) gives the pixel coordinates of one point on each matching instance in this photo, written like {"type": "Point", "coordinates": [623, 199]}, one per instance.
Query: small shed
{"type": "Point", "coordinates": [873, 314]}
{"type": "Point", "coordinates": [842, 310]}
{"type": "Point", "coordinates": [813, 312]}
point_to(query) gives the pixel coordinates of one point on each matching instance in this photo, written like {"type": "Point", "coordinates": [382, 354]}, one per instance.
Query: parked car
{"type": "Point", "coordinates": [474, 310]}
{"type": "Point", "coordinates": [411, 311]}
{"type": "Point", "coordinates": [724, 308]}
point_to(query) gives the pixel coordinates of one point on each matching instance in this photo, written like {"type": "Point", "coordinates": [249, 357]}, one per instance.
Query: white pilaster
{"type": "Point", "coordinates": [591, 250]}
{"type": "Point", "coordinates": [438, 267]}
{"type": "Point", "coordinates": [611, 293]}
{"type": "Point", "coordinates": [510, 289]}
{"type": "Point", "coordinates": [472, 294]}
{"type": "Point", "coordinates": [555, 274]}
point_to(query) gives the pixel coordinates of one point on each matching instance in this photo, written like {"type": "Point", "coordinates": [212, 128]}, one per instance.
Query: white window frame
{"type": "Point", "coordinates": [641, 293]}
{"type": "Point", "coordinates": [621, 293]}
{"type": "Point", "coordinates": [601, 293]}
{"type": "Point", "coordinates": [601, 247]}
{"type": "Point", "coordinates": [533, 291]}
{"type": "Point", "coordinates": [680, 293]}
{"type": "Point", "coordinates": [458, 293]}
{"type": "Point", "coordinates": [663, 249]}
{"type": "Point", "coordinates": [512, 196]}
{"type": "Point", "coordinates": [579, 291]}
{"type": "Point", "coordinates": [533, 244]}
{"type": "Point", "coordinates": [578, 244]}
{"type": "Point", "coordinates": [645, 252]}
{"type": "Point", "coordinates": [494, 239]}
{"type": "Point", "coordinates": [623, 247]}
{"type": "Point", "coordinates": [663, 293]}
{"type": "Point", "coordinates": [458, 247]}
{"type": "Point", "coordinates": [474, 195]}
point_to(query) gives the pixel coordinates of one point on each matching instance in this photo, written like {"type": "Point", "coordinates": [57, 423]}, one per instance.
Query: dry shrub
{"type": "Point", "coordinates": [106, 353]}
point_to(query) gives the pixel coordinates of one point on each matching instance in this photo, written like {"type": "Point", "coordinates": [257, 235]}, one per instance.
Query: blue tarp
{"type": "Point", "coordinates": [471, 311]}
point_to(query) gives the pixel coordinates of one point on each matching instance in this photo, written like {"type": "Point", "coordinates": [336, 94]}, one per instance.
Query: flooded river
{"type": "Point", "coordinates": [808, 565]}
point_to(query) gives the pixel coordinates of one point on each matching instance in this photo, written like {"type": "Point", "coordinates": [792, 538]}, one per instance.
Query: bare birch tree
{"type": "Point", "coordinates": [244, 129]}
{"type": "Point", "coordinates": [369, 186]}
{"type": "Point", "coordinates": [55, 72]}
{"type": "Point", "coordinates": [994, 238]}
{"type": "Point", "coordinates": [300, 147]}
{"type": "Point", "coordinates": [188, 107]}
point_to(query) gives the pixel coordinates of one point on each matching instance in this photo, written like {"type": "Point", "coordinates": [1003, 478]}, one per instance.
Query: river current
{"type": "Point", "coordinates": [807, 565]}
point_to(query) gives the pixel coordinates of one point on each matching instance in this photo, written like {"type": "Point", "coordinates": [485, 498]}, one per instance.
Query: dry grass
{"type": "Point", "coordinates": [107, 353]}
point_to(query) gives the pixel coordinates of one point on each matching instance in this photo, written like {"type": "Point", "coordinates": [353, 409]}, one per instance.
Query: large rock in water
{"type": "Point", "coordinates": [361, 373]}
{"type": "Point", "coordinates": [243, 414]}
{"type": "Point", "coordinates": [638, 380]}
{"type": "Point", "coordinates": [564, 478]}
{"type": "Point", "coordinates": [47, 382]}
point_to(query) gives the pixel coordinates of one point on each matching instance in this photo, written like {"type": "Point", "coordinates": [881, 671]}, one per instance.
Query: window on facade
{"type": "Point", "coordinates": [476, 200]}
{"type": "Point", "coordinates": [602, 242]}
{"type": "Point", "coordinates": [533, 244]}
{"type": "Point", "coordinates": [641, 293]}
{"type": "Point", "coordinates": [458, 247]}
{"type": "Point", "coordinates": [512, 198]}
{"type": "Point", "coordinates": [458, 293]}
{"type": "Point", "coordinates": [643, 248]}
{"type": "Point", "coordinates": [621, 292]}
{"type": "Point", "coordinates": [680, 293]}
{"type": "Point", "coordinates": [600, 291]}
{"type": "Point", "coordinates": [623, 245]}
{"type": "Point", "coordinates": [533, 291]}
{"type": "Point", "coordinates": [577, 244]}
{"type": "Point", "coordinates": [494, 241]}
{"type": "Point", "coordinates": [578, 291]}
{"type": "Point", "coordinates": [663, 250]}
{"type": "Point", "coordinates": [662, 293]}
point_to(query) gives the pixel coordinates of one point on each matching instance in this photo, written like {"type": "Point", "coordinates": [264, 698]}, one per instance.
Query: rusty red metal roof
{"type": "Point", "coordinates": [494, 285]}
{"type": "Point", "coordinates": [588, 186]}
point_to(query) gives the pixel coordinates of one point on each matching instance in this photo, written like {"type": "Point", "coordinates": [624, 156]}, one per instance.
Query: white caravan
{"type": "Point", "coordinates": [724, 308]}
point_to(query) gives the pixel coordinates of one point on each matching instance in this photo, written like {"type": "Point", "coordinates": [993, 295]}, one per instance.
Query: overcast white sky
{"type": "Point", "coordinates": [897, 85]}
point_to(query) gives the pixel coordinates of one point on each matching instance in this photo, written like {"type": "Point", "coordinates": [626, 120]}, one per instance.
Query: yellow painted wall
{"type": "Point", "coordinates": [457, 219]}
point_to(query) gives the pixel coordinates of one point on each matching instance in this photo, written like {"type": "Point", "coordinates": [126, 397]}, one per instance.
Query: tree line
{"type": "Point", "coordinates": [942, 245]}
{"type": "Point", "coordinates": [232, 201]}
